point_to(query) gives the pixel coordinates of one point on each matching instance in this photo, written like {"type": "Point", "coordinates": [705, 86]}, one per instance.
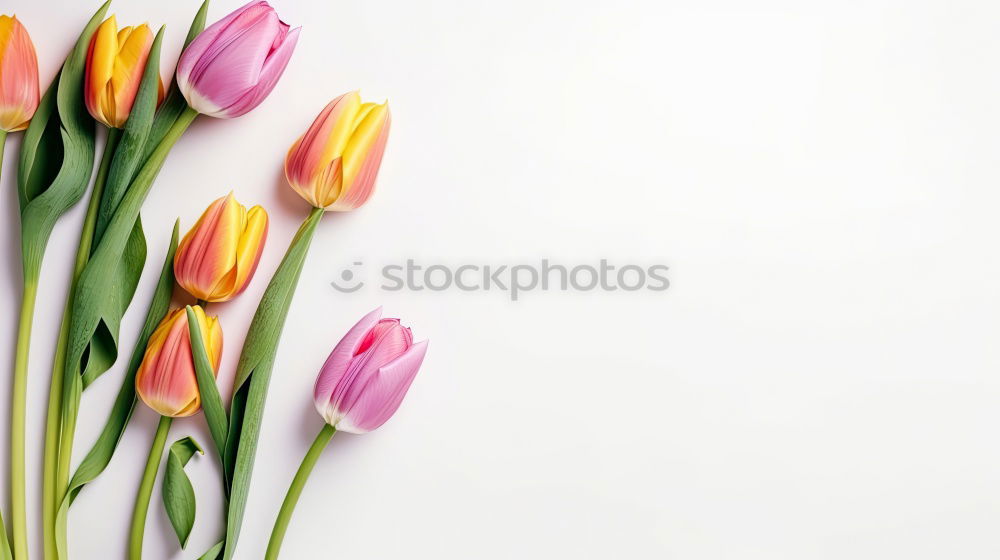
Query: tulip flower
{"type": "Point", "coordinates": [18, 76]}
{"type": "Point", "coordinates": [335, 163]}
{"type": "Point", "coordinates": [236, 62]}
{"type": "Point", "coordinates": [367, 374]}
{"type": "Point", "coordinates": [116, 61]}
{"type": "Point", "coordinates": [217, 258]}
{"type": "Point", "coordinates": [359, 387]}
{"type": "Point", "coordinates": [333, 167]}
{"type": "Point", "coordinates": [166, 380]}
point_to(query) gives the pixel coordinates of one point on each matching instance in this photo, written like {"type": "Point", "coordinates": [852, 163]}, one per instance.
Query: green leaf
{"type": "Point", "coordinates": [99, 296]}
{"type": "Point", "coordinates": [131, 148]}
{"type": "Point", "coordinates": [211, 401]}
{"type": "Point", "coordinates": [253, 375]}
{"type": "Point", "coordinates": [100, 453]}
{"type": "Point", "coordinates": [213, 552]}
{"type": "Point", "coordinates": [174, 104]}
{"type": "Point", "coordinates": [178, 494]}
{"type": "Point", "coordinates": [57, 154]}
{"type": "Point", "coordinates": [5, 546]}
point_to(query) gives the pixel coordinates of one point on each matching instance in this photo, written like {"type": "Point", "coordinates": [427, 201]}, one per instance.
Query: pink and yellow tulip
{"type": "Point", "coordinates": [18, 76]}
{"type": "Point", "coordinates": [236, 62]}
{"type": "Point", "coordinates": [166, 380]}
{"type": "Point", "coordinates": [335, 163]}
{"type": "Point", "coordinates": [115, 64]}
{"type": "Point", "coordinates": [217, 258]}
{"type": "Point", "coordinates": [367, 375]}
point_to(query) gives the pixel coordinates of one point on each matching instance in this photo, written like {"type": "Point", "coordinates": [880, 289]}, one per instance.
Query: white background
{"type": "Point", "coordinates": [820, 381]}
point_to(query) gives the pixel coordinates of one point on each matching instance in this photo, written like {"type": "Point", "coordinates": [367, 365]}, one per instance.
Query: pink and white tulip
{"type": "Point", "coordinates": [236, 62]}
{"type": "Point", "coordinates": [367, 375]}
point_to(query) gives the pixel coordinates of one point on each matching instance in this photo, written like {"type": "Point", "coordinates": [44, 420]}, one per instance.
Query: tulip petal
{"type": "Point", "coordinates": [361, 186]}
{"type": "Point", "coordinates": [383, 393]}
{"type": "Point", "coordinates": [250, 248]}
{"type": "Point", "coordinates": [19, 94]}
{"type": "Point", "coordinates": [130, 63]}
{"type": "Point", "coordinates": [385, 342]}
{"type": "Point", "coordinates": [337, 363]}
{"type": "Point", "coordinates": [274, 67]}
{"type": "Point", "coordinates": [194, 53]}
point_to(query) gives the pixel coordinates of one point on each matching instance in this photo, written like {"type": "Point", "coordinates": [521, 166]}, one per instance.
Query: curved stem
{"type": "Point", "coordinates": [50, 497]}
{"type": "Point", "coordinates": [146, 488]}
{"type": "Point", "coordinates": [295, 490]}
{"type": "Point", "coordinates": [18, 483]}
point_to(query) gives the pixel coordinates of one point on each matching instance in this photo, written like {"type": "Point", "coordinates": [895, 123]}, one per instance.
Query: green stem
{"type": "Point", "coordinates": [18, 483]}
{"type": "Point", "coordinates": [122, 221]}
{"type": "Point", "coordinates": [295, 490]}
{"type": "Point", "coordinates": [3, 141]}
{"type": "Point", "coordinates": [4, 543]}
{"type": "Point", "coordinates": [146, 488]}
{"type": "Point", "coordinates": [50, 499]}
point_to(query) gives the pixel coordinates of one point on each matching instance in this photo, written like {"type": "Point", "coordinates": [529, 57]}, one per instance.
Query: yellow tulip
{"type": "Point", "coordinates": [115, 64]}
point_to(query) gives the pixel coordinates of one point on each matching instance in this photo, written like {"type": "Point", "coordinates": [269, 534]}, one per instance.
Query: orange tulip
{"type": "Point", "coordinates": [166, 380]}
{"type": "Point", "coordinates": [335, 163]}
{"type": "Point", "coordinates": [217, 258]}
{"type": "Point", "coordinates": [115, 64]}
{"type": "Point", "coordinates": [18, 76]}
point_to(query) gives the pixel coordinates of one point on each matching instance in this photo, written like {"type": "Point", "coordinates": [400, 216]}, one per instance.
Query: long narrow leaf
{"type": "Point", "coordinates": [174, 104]}
{"type": "Point", "coordinates": [178, 494]}
{"type": "Point", "coordinates": [116, 294]}
{"type": "Point", "coordinates": [100, 454]}
{"type": "Point", "coordinates": [131, 148]}
{"type": "Point", "coordinates": [57, 153]}
{"type": "Point", "coordinates": [211, 401]}
{"type": "Point", "coordinates": [214, 552]}
{"type": "Point", "coordinates": [253, 375]}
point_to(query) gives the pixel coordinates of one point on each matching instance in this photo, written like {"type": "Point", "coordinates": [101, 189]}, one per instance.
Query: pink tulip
{"type": "Point", "coordinates": [236, 62]}
{"type": "Point", "coordinates": [367, 375]}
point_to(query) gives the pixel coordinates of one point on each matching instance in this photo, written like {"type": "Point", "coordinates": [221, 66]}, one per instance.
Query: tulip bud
{"type": "Point", "coordinates": [235, 63]}
{"type": "Point", "coordinates": [367, 374]}
{"type": "Point", "coordinates": [217, 258]}
{"type": "Point", "coordinates": [18, 76]}
{"type": "Point", "coordinates": [334, 164]}
{"type": "Point", "coordinates": [115, 64]}
{"type": "Point", "coordinates": [166, 380]}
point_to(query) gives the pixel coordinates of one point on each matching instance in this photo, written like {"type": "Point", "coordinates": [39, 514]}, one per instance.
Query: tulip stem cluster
{"type": "Point", "coordinates": [295, 490]}
{"type": "Point", "coordinates": [49, 498]}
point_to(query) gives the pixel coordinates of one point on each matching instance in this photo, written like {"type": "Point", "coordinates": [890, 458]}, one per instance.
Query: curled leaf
{"type": "Point", "coordinates": [178, 494]}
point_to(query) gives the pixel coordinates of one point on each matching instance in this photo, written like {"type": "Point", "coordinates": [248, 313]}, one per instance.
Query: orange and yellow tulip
{"type": "Point", "coordinates": [335, 163]}
{"type": "Point", "coordinates": [18, 76]}
{"type": "Point", "coordinates": [166, 380]}
{"type": "Point", "coordinates": [115, 63]}
{"type": "Point", "coordinates": [217, 258]}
